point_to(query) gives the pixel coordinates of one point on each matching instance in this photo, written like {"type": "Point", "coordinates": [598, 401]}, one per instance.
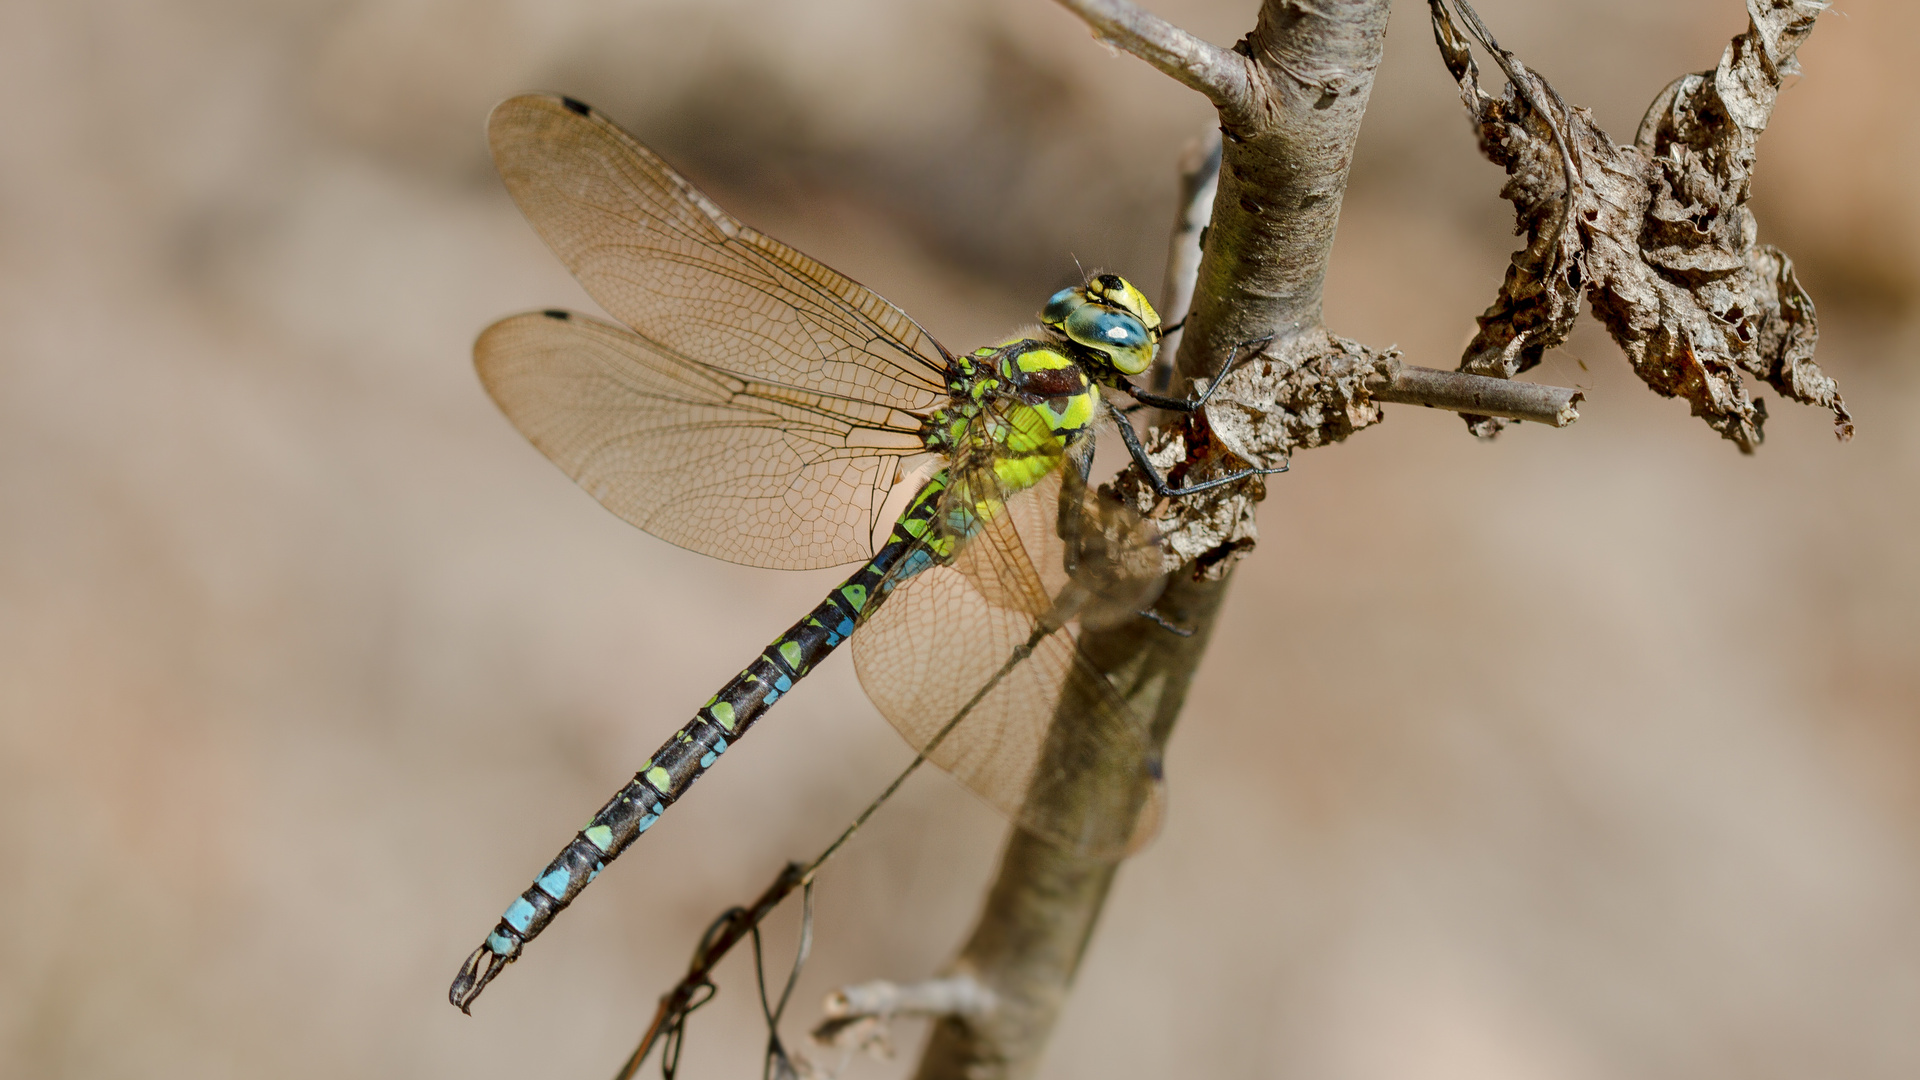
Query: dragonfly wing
{"type": "Point", "coordinates": [743, 470]}
{"type": "Point", "coordinates": [1043, 728]}
{"type": "Point", "coordinates": [662, 258]}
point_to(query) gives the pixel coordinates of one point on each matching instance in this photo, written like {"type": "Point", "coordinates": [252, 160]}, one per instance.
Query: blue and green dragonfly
{"type": "Point", "coordinates": [759, 407]}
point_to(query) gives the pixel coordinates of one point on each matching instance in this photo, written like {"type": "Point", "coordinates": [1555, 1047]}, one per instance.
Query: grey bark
{"type": "Point", "coordinates": [1291, 97]}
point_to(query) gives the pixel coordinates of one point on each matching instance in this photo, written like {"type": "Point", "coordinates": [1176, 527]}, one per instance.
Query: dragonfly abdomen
{"type": "Point", "coordinates": [691, 751]}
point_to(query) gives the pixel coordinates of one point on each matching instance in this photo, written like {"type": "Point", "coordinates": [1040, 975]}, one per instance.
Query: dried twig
{"type": "Point", "coordinates": [696, 987]}
{"type": "Point", "coordinates": [1224, 77]}
{"type": "Point", "coordinates": [1460, 392]}
{"type": "Point", "coordinates": [1199, 180]}
{"type": "Point", "coordinates": [857, 1016]}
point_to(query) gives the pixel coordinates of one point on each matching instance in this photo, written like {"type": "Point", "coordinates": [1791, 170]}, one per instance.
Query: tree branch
{"type": "Point", "coordinates": [1040, 913]}
{"type": "Point", "coordinates": [1288, 142]}
{"type": "Point", "coordinates": [1220, 75]}
{"type": "Point", "coordinates": [1199, 180]}
{"type": "Point", "coordinates": [1458, 391]}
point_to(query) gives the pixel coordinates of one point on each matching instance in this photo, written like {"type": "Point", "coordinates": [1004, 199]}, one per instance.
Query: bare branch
{"type": "Point", "coordinates": [1308, 69]}
{"type": "Point", "coordinates": [958, 995]}
{"type": "Point", "coordinates": [1040, 913]}
{"type": "Point", "coordinates": [1220, 75]}
{"type": "Point", "coordinates": [859, 1017]}
{"type": "Point", "coordinates": [732, 928]}
{"type": "Point", "coordinates": [1689, 314]}
{"type": "Point", "coordinates": [1199, 180]}
{"type": "Point", "coordinates": [1460, 392]}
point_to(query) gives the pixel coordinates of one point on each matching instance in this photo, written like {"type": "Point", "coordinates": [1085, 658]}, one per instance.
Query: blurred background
{"type": "Point", "coordinates": [1583, 754]}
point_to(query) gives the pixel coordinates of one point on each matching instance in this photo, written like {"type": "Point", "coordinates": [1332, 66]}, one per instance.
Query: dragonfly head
{"type": "Point", "coordinates": [1107, 316]}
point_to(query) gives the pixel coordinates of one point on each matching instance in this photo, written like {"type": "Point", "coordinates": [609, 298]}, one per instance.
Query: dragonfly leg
{"type": "Point", "coordinates": [1173, 404]}
{"type": "Point", "coordinates": [1166, 624]}
{"type": "Point", "coordinates": [1071, 524]}
{"type": "Point", "coordinates": [1159, 482]}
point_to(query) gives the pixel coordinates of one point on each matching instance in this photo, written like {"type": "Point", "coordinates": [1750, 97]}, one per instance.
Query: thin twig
{"type": "Point", "coordinates": [730, 930]}
{"type": "Point", "coordinates": [1524, 83]}
{"type": "Point", "coordinates": [954, 995]}
{"type": "Point", "coordinates": [737, 924]}
{"type": "Point", "coordinates": [1199, 181]}
{"type": "Point", "coordinates": [1480, 395]}
{"type": "Point", "coordinates": [1222, 75]}
{"type": "Point", "coordinates": [858, 1016]}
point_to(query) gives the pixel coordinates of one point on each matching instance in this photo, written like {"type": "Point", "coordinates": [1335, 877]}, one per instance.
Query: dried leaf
{"type": "Point", "coordinates": [1659, 237]}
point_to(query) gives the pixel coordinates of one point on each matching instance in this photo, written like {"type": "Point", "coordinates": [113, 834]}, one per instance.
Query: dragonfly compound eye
{"type": "Point", "coordinates": [1117, 292]}
{"type": "Point", "coordinates": [1122, 337]}
{"type": "Point", "coordinates": [1062, 304]}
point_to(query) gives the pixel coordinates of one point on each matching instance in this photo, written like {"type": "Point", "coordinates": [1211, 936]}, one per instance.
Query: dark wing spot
{"type": "Point", "coordinates": [556, 313]}
{"type": "Point", "coordinates": [575, 105]}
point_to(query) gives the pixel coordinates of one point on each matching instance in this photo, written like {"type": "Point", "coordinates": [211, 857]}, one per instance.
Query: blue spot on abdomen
{"type": "Point", "coordinates": [555, 884]}
{"type": "Point", "coordinates": [519, 914]}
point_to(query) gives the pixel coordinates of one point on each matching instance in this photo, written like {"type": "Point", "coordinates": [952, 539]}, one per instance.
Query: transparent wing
{"type": "Point", "coordinates": [1049, 744]}
{"type": "Point", "coordinates": [662, 258]}
{"type": "Point", "coordinates": [742, 470]}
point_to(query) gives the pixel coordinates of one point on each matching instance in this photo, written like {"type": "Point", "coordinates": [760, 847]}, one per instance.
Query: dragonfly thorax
{"type": "Point", "coordinates": [1019, 405]}
{"type": "Point", "coordinates": [1044, 377]}
{"type": "Point", "coordinates": [994, 385]}
{"type": "Point", "coordinates": [1016, 407]}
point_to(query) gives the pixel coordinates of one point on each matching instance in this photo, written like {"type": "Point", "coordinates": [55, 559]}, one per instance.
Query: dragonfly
{"type": "Point", "coordinates": [755, 405]}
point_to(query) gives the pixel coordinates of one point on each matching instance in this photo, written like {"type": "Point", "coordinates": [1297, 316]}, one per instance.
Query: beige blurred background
{"type": "Point", "coordinates": [1584, 754]}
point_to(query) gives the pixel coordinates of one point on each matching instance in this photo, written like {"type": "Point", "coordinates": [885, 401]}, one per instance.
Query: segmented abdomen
{"type": "Point", "coordinates": [720, 722]}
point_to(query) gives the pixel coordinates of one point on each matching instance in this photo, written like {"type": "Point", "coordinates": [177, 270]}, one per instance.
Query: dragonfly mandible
{"type": "Point", "coordinates": [759, 407]}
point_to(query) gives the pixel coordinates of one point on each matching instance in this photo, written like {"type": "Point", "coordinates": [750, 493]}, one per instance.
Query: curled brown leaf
{"type": "Point", "coordinates": [1657, 236]}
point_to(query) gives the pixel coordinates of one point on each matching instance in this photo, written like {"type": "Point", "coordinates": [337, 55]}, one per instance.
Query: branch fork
{"type": "Point", "coordinates": [858, 1016]}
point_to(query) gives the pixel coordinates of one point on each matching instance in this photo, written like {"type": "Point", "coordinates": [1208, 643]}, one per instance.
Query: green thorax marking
{"type": "Point", "coordinates": [1021, 403]}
